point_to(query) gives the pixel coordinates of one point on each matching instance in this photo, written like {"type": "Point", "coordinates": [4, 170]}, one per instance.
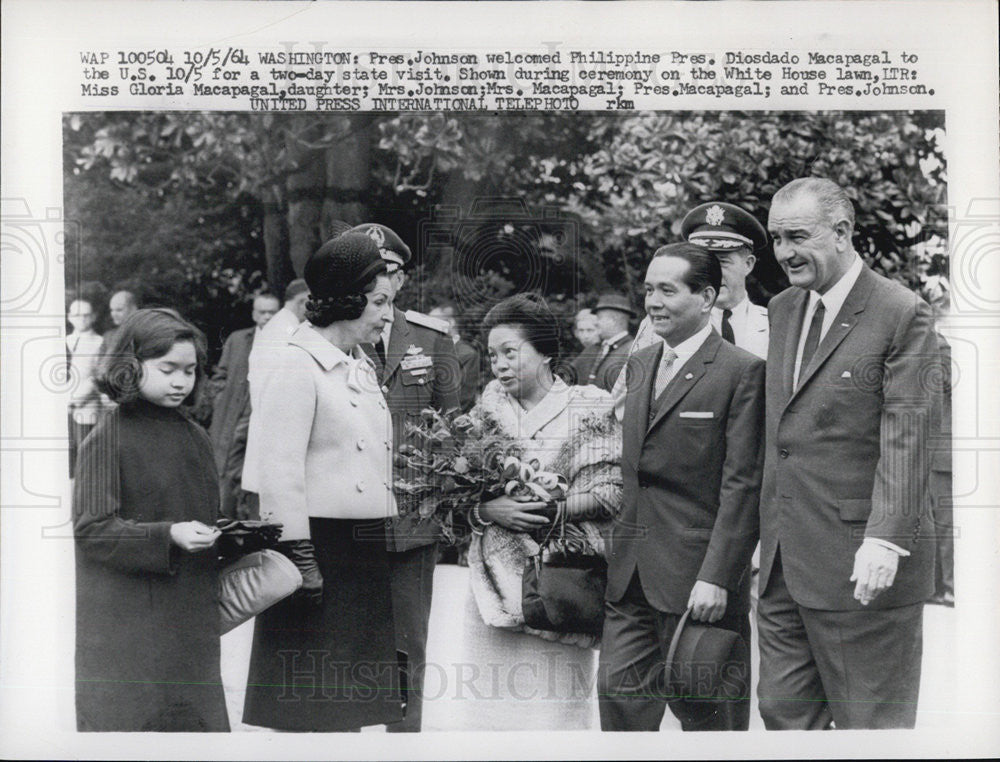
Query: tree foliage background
{"type": "Point", "coordinates": [200, 211]}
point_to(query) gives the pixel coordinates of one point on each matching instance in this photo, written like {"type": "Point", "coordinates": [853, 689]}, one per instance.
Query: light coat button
{"type": "Point", "coordinates": [360, 485]}
{"type": "Point", "coordinates": [385, 390]}
{"type": "Point", "coordinates": [361, 444]}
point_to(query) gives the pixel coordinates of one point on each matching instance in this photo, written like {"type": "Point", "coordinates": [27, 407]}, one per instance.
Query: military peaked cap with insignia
{"type": "Point", "coordinates": [719, 226]}
{"type": "Point", "coordinates": [390, 245]}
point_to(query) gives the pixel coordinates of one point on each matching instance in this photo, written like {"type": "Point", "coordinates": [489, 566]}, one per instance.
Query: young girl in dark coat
{"type": "Point", "coordinates": [145, 503]}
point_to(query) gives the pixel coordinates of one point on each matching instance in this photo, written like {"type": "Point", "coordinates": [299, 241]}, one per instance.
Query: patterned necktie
{"type": "Point", "coordinates": [812, 338]}
{"type": "Point", "coordinates": [727, 327]}
{"type": "Point", "coordinates": [663, 373]}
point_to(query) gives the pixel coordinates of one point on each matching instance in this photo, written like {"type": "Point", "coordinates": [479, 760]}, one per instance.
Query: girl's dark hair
{"type": "Point", "coordinates": [145, 335]}
{"type": "Point", "coordinates": [530, 314]}
{"type": "Point", "coordinates": [321, 312]}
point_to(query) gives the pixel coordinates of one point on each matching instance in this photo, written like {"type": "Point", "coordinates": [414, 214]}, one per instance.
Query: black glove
{"type": "Point", "coordinates": [241, 537]}
{"type": "Point", "coordinates": [303, 555]}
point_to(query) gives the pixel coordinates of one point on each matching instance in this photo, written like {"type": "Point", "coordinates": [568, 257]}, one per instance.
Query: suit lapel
{"type": "Point", "coordinates": [639, 396]}
{"type": "Point", "coordinates": [842, 325]}
{"type": "Point", "coordinates": [686, 377]}
{"type": "Point", "coordinates": [798, 310]}
{"type": "Point", "coordinates": [399, 341]}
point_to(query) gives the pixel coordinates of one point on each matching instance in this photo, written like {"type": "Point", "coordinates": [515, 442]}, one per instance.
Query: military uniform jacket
{"type": "Point", "coordinates": [421, 370]}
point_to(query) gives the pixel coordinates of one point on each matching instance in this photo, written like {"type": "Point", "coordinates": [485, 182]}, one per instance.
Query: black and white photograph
{"type": "Point", "coordinates": [479, 423]}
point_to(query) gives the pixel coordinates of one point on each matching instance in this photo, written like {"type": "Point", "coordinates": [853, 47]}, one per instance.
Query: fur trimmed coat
{"type": "Point", "coordinates": [572, 432]}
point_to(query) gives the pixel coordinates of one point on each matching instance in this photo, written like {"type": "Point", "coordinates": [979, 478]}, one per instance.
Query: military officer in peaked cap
{"type": "Point", "coordinates": [732, 235]}
{"type": "Point", "coordinates": [418, 368]}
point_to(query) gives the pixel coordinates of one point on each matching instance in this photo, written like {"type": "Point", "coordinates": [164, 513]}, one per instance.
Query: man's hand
{"type": "Point", "coordinates": [707, 601]}
{"type": "Point", "coordinates": [874, 571]}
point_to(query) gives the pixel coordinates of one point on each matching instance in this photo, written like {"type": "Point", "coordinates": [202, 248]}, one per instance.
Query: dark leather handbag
{"type": "Point", "coordinates": [562, 589]}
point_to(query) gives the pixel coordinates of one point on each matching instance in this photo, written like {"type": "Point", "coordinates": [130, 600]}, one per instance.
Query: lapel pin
{"type": "Point", "coordinates": [689, 376]}
{"type": "Point", "coordinates": [845, 325]}
{"type": "Point", "coordinates": [413, 349]}
{"type": "Point", "coordinates": [846, 374]}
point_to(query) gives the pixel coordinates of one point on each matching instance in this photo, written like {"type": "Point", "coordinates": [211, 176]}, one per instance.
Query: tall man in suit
{"type": "Point", "coordinates": [418, 368]}
{"type": "Point", "coordinates": [232, 392]}
{"type": "Point", "coordinates": [241, 499]}
{"type": "Point", "coordinates": [846, 560]}
{"type": "Point", "coordinates": [691, 466]}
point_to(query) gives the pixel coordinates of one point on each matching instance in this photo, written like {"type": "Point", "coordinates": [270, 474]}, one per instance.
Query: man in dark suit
{"type": "Point", "coordinates": [232, 390]}
{"type": "Point", "coordinates": [418, 369]}
{"type": "Point", "coordinates": [846, 557]}
{"type": "Point", "coordinates": [600, 364]}
{"type": "Point", "coordinates": [691, 466]}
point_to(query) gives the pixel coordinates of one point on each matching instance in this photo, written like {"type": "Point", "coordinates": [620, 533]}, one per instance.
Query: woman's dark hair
{"type": "Point", "coordinates": [532, 316]}
{"type": "Point", "coordinates": [323, 312]}
{"type": "Point", "coordinates": [146, 335]}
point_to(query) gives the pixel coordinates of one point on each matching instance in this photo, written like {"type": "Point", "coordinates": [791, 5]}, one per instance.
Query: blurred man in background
{"type": "Point", "coordinates": [468, 357]}
{"type": "Point", "coordinates": [230, 382]}
{"type": "Point", "coordinates": [600, 364]}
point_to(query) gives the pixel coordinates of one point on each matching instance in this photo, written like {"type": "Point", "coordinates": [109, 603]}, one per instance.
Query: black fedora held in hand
{"type": "Point", "coordinates": [705, 663]}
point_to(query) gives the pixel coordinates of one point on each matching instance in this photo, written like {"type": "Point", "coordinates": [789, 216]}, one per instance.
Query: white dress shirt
{"type": "Point", "coordinates": [738, 320]}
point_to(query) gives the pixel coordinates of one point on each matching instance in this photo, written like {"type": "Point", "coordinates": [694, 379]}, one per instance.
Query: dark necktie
{"type": "Point", "coordinates": [812, 338]}
{"type": "Point", "coordinates": [727, 327]}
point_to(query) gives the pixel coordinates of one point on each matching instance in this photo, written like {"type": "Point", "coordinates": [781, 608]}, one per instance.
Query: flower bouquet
{"type": "Point", "coordinates": [453, 464]}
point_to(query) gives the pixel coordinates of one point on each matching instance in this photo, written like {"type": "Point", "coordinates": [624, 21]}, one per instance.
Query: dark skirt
{"type": "Point", "coordinates": [330, 668]}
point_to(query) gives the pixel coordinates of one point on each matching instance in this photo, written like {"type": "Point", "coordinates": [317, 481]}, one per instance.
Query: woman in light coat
{"type": "Point", "coordinates": [325, 659]}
